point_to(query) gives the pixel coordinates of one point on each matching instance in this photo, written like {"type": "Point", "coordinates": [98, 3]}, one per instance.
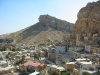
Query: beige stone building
{"type": "Point", "coordinates": [96, 58]}
{"type": "Point", "coordinates": [55, 69]}
{"type": "Point", "coordinates": [95, 49]}
{"type": "Point", "coordinates": [70, 66]}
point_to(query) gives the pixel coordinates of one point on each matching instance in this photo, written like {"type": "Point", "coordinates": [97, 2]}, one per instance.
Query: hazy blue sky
{"type": "Point", "coordinates": [18, 14]}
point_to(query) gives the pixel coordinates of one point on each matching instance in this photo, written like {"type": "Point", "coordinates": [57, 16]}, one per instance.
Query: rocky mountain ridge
{"type": "Point", "coordinates": [48, 30]}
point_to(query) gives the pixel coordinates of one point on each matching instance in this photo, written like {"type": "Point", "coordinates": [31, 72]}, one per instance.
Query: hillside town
{"type": "Point", "coordinates": [70, 59]}
{"type": "Point", "coordinates": [54, 47]}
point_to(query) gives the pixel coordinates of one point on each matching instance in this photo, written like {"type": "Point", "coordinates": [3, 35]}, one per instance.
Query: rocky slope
{"type": "Point", "coordinates": [88, 19]}
{"type": "Point", "coordinates": [48, 30]}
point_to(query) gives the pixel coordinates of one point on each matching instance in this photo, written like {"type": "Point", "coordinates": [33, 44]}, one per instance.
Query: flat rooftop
{"type": "Point", "coordinates": [81, 59]}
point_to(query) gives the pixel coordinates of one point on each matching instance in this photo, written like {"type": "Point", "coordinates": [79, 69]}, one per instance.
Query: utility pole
{"type": "Point", "coordinates": [81, 69]}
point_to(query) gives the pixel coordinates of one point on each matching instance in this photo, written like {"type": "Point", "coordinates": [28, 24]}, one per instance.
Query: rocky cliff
{"type": "Point", "coordinates": [88, 19]}
{"type": "Point", "coordinates": [55, 23]}
{"type": "Point", "coordinates": [48, 30]}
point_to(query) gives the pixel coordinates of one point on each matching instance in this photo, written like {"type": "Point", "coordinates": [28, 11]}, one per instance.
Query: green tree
{"type": "Point", "coordinates": [3, 49]}
{"type": "Point", "coordinates": [65, 73]}
{"type": "Point", "coordinates": [8, 56]}
{"type": "Point", "coordinates": [51, 73]}
{"type": "Point", "coordinates": [96, 73]}
{"type": "Point", "coordinates": [86, 73]}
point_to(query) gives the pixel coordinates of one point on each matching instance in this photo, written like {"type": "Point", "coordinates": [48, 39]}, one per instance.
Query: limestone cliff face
{"type": "Point", "coordinates": [88, 19]}
{"type": "Point", "coordinates": [55, 23]}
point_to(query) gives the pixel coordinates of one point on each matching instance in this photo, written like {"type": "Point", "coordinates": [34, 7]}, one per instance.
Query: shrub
{"type": "Point", "coordinates": [65, 73]}
{"type": "Point", "coordinates": [86, 73]}
{"type": "Point", "coordinates": [51, 73]}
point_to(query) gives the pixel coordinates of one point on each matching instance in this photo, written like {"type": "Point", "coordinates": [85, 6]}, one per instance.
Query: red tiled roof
{"type": "Point", "coordinates": [42, 65]}
{"type": "Point", "coordinates": [32, 63]}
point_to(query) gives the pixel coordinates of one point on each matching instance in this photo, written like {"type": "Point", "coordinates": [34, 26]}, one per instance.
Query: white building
{"type": "Point", "coordinates": [3, 63]}
{"type": "Point", "coordinates": [82, 59]}
{"type": "Point", "coordinates": [60, 49]}
{"type": "Point", "coordinates": [35, 73]}
{"type": "Point", "coordinates": [79, 48]}
{"type": "Point", "coordinates": [86, 66]}
{"type": "Point", "coordinates": [87, 48]}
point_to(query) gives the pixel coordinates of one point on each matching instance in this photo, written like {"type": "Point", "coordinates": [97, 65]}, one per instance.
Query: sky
{"type": "Point", "coordinates": [19, 14]}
